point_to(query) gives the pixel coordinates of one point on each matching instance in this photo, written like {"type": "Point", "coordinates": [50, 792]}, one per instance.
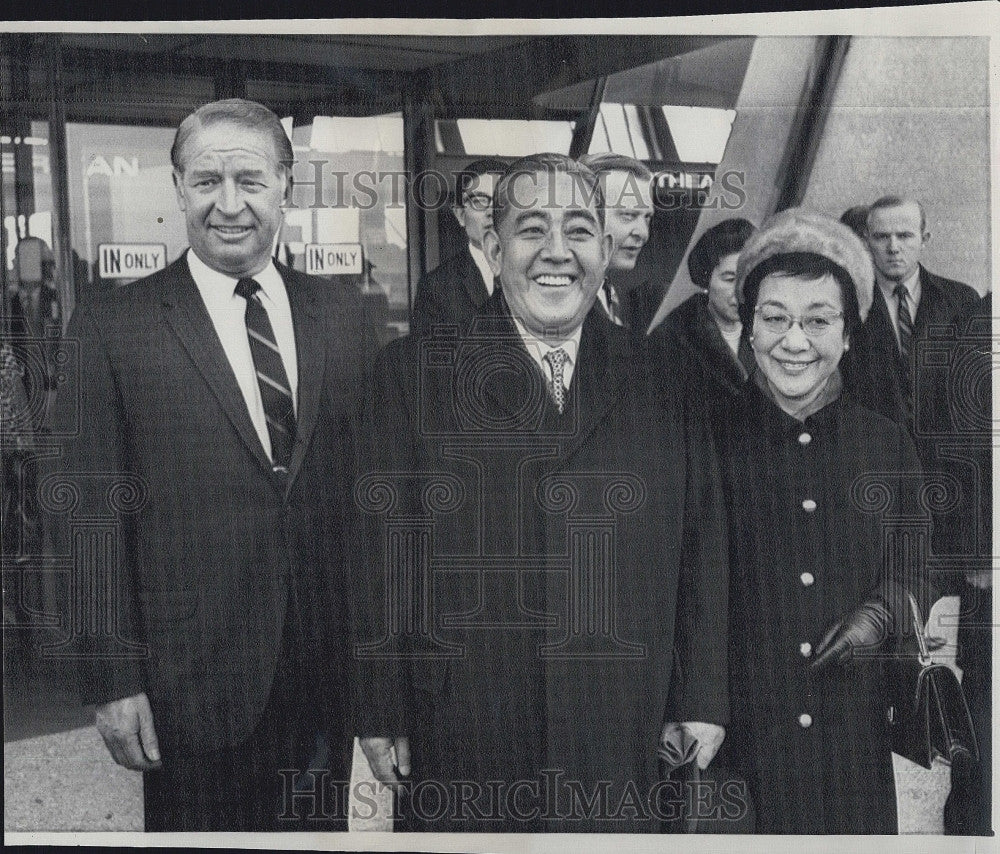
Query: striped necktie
{"type": "Point", "coordinates": [275, 390]}
{"type": "Point", "coordinates": [557, 361]}
{"type": "Point", "coordinates": [614, 303]}
{"type": "Point", "coordinates": [905, 320]}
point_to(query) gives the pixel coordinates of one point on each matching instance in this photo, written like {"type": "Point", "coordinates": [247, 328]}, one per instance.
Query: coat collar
{"type": "Point", "coordinates": [604, 364]}
{"type": "Point", "coordinates": [472, 279]}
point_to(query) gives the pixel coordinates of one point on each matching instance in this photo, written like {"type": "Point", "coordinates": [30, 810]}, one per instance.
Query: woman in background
{"type": "Point", "coordinates": [706, 328]}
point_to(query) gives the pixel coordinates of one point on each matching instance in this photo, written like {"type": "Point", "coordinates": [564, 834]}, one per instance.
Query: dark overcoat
{"type": "Point", "coordinates": [533, 574]}
{"type": "Point", "coordinates": [703, 352]}
{"type": "Point", "coordinates": [824, 513]}
{"type": "Point", "coordinates": [453, 293]}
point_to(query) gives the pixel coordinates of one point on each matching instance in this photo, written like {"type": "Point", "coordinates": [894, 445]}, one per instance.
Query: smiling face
{"type": "Point", "coordinates": [896, 239]}
{"type": "Point", "coordinates": [722, 290]}
{"type": "Point", "coordinates": [231, 188]}
{"type": "Point", "coordinates": [550, 254]}
{"type": "Point", "coordinates": [628, 212]}
{"type": "Point", "coordinates": [475, 214]}
{"type": "Point", "coordinates": [797, 366]}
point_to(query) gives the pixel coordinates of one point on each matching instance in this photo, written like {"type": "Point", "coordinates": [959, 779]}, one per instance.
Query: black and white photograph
{"type": "Point", "coordinates": [500, 435]}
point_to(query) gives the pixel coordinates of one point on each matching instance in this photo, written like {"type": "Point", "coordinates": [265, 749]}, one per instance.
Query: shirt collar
{"type": "Point", "coordinates": [912, 285]}
{"type": "Point", "coordinates": [539, 348]}
{"type": "Point", "coordinates": [220, 287]}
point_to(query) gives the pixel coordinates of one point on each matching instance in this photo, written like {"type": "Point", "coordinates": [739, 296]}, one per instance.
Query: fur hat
{"type": "Point", "coordinates": [803, 230]}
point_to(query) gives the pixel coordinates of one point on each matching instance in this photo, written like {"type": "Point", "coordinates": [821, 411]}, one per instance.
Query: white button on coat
{"type": "Point", "coordinates": [805, 439]}
{"type": "Point", "coordinates": [809, 505]}
{"type": "Point", "coordinates": [807, 578]}
{"type": "Point", "coordinates": [806, 649]}
{"type": "Point", "coordinates": [805, 721]}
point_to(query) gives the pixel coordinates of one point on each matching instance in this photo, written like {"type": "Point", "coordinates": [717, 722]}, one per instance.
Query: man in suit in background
{"type": "Point", "coordinates": [913, 300]}
{"type": "Point", "coordinates": [218, 391]}
{"type": "Point", "coordinates": [532, 648]}
{"type": "Point", "coordinates": [628, 199]}
{"type": "Point", "coordinates": [458, 288]}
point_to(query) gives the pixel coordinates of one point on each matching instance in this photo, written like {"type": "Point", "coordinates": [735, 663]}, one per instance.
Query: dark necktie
{"type": "Point", "coordinates": [905, 320]}
{"type": "Point", "coordinates": [275, 390]}
{"type": "Point", "coordinates": [557, 362]}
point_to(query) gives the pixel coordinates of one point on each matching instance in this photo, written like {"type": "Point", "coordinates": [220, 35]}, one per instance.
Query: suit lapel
{"type": "Point", "coordinates": [930, 302]}
{"type": "Point", "coordinates": [599, 378]}
{"type": "Point", "coordinates": [507, 390]}
{"type": "Point", "coordinates": [472, 280]}
{"type": "Point", "coordinates": [310, 351]}
{"type": "Point", "coordinates": [185, 312]}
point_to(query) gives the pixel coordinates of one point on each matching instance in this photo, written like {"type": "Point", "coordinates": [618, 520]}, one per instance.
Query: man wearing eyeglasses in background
{"type": "Point", "coordinates": [456, 290]}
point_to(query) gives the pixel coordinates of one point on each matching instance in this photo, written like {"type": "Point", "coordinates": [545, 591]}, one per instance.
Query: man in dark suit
{"type": "Point", "coordinates": [213, 407]}
{"type": "Point", "coordinates": [911, 304]}
{"type": "Point", "coordinates": [628, 199]}
{"type": "Point", "coordinates": [547, 539]}
{"type": "Point", "coordinates": [457, 289]}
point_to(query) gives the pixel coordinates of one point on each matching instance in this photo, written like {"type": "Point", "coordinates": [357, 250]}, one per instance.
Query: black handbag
{"type": "Point", "coordinates": [928, 713]}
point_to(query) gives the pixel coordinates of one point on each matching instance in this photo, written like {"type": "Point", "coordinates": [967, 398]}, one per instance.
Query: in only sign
{"type": "Point", "coordinates": [333, 259]}
{"type": "Point", "coordinates": [130, 260]}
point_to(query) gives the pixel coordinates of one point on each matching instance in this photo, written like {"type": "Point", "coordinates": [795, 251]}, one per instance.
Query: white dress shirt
{"type": "Point", "coordinates": [538, 348]}
{"type": "Point", "coordinates": [892, 302]}
{"type": "Point", "coordinates": [228, 315]}
{"type": "Point", "coordinates": [484, 267]}
{"type": "Point", "coordinates": [602, 297]}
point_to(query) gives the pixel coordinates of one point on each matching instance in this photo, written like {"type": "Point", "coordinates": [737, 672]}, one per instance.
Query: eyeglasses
{"type": "Point", "coordinates": [813, 325]}
{"type": "Point", "coordinates": [477, 201]}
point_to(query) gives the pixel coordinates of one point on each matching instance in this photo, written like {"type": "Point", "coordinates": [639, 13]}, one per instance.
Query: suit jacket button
{"type": "Point", "coordinates": [805, 720]}
{"type": "Point", "coordinates": [807, 579]}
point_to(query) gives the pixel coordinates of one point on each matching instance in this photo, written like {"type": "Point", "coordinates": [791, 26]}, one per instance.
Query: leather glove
{"type": "Point", "coordinates": [867, 626]}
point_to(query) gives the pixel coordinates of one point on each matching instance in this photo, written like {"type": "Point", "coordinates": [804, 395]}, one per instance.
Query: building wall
{"type": "Point", "coordinates": [910, 116]}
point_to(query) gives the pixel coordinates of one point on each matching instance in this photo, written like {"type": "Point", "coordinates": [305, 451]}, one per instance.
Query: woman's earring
{"type": "Point", "coordinates": [751, 339]}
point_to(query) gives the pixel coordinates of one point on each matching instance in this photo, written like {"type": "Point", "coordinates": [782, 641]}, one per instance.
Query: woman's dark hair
{"type": "Point", "coordinates": [809, 266]}
{"type": "Point", "coordinates": [720, 240]}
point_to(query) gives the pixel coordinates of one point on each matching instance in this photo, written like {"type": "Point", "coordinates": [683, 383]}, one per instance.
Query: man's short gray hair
{"type": "Point", "coordinates": [237, 111]}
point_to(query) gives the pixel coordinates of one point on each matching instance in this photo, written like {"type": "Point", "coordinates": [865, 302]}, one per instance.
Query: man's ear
{"type": "Point", "coordinates": [926, 237]}
{"type": "Point", "coordinates": [286, 197]}
{"type": "Point", "coordinates": [179, 189]}
{"type": "Point", "coordinates": [459, 212]}
{"type": "Point", "coordinates": [492, 250]}
{"type": "Point", "coordinates": [607, 248]}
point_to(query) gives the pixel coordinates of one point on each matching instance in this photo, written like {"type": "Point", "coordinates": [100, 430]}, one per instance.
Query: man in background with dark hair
{"type": "Point", "coordinates": [458, 288]}
{"type": "Point", "coordinates": [213, 404]}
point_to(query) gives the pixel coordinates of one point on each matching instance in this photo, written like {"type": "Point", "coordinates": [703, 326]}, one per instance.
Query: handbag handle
{"type": "Point", "coordinates": [924, 655]}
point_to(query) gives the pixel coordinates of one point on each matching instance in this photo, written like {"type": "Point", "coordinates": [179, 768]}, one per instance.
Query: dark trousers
{"type": "Point", "coordinates": [251, 786]}
{"type": "Point", "coordinates": [968, 810]}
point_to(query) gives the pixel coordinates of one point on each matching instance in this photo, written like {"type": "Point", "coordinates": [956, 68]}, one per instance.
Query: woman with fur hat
{"type": "Point", "coordinates": [815, 482]}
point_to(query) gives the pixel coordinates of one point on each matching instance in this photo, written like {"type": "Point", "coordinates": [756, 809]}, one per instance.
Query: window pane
{"type": "Point", "coordinates": [506, 137]}
{"type": "Point", "coordinates": [349, 189]}
{"type": "Point", "coordinates": [121, 191]}
{"type": "Point", "coordinates": [700, 133]}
